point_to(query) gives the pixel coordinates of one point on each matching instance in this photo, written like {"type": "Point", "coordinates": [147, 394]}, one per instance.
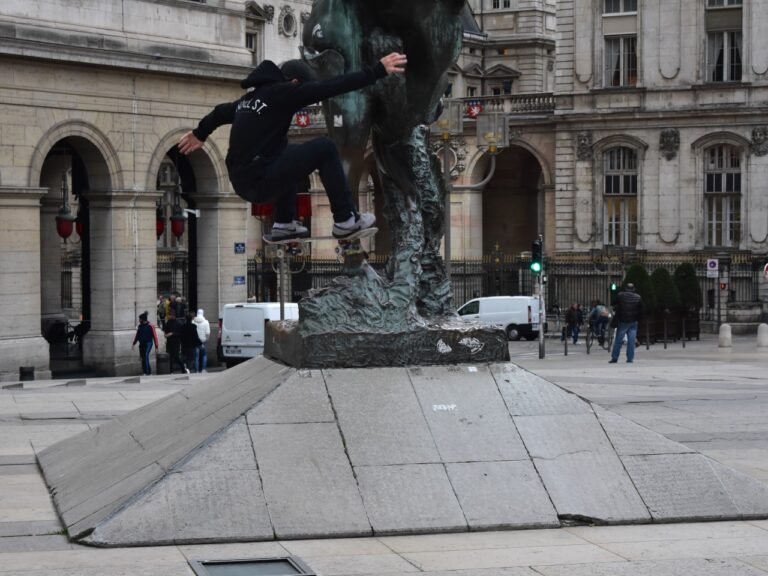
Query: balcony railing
{"type": "Point", "coordinates": [540, 103]}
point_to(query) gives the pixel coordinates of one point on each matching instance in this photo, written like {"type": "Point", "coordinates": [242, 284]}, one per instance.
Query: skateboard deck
{"type": "Point", "coordinates": [366, 233]}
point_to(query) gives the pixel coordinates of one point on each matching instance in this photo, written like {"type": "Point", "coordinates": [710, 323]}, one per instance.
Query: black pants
{"type": "Point", "coordinates": [278, 180]}
{"type": "Point", "coordinates": [174, 348]}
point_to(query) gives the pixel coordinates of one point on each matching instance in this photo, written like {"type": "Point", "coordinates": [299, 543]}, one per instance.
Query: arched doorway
{"type": "Point", "coordinates": [70, 168]}
{"type": "Point", "coordinates": [512, 203]}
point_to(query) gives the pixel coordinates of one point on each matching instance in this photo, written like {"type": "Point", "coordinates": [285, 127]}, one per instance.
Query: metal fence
{"type": "Point", "coordinates": [172, 272]}
{"type": "Point", "coordinates": [575, 278]}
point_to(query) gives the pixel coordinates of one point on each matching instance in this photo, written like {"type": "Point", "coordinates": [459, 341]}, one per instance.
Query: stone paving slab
{"type": "Point", "coordinates": [630, 439]}
{"type": "Point", "coordinates": [501, 557]}
{"type": "Point", "coordinates": [381, 417]}
{"type": "Point", "coordinates": [300, 400]}
{"type": "Point", "coordinates": [308, 481]}
{"type": "Point", "coordinates": [361, 564]}
{"type": "Point", "coordinates": [229, 449]}
{"type": "Point", "coordinates": [502, 495]}
{"type": "Point", "coordinates": [409, 499]}
{"type": "Point", "coordinates": [466, 414]}
{"type": "Point", "coordinates": [192, 506]}
{"type": "Point", "coordinates": [482, 540]}
{"type": "Point", "coordinates": [29, 527]}
{"type": "Point", "coordinates": [680, 486]}
{"type": "Point", "coordinates": [682, 567]}
{"type": "Point", "coordinates": [93, 474]}
{"type": "Point", "coordinates": [34, 543]}
{"type": "Point", "coordinates": [527, 394]}
{"type": "Point", "coordinates": [581, 472]}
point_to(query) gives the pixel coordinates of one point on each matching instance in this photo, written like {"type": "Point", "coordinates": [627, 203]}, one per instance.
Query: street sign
{"type": "Point", "coordinates": [239, 280]}
{"type": "Point", "coordinates": [239, 247]}
{"type": "Point", "coordinates": [713, 268]}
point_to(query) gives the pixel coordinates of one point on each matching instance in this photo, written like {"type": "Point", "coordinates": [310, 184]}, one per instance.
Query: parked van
{"type": "Point", "coordinates": [242, 327]}
{"type": "Point", "coordinates": [518, 315]}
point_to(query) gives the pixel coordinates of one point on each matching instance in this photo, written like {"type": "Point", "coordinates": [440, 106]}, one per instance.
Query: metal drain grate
{"type": "Point", "coordinates": [251, 567]}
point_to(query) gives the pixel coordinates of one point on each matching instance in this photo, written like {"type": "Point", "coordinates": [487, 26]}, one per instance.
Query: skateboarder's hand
{"type": "Point", "coordinates": [394, 63]}
{"type": "Point", "coordinates": [189, 143]}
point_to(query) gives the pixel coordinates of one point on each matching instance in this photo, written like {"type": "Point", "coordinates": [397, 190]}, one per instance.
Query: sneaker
{"type": "Point", "coordinates": [612, 361]}
{"type": "Point", "coordinates": [287, 231]}
{"type": "Point", "coordinates": [358, 221]}
{"type": "Point", "coordinates": [186, 370]}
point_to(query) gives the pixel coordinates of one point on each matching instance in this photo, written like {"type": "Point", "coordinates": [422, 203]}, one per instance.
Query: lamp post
{"type": "Point", "coordinates": [450, 123]}
{"type": "Point", "coordinates": [65, 220]}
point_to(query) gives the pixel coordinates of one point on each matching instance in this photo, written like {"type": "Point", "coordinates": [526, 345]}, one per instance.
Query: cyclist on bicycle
{"type": "Point", "coordinates": [598, 319]}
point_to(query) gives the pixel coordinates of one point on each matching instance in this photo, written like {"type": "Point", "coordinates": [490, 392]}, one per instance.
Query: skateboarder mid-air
{"type": "Point", "coordinates": [262, 166]}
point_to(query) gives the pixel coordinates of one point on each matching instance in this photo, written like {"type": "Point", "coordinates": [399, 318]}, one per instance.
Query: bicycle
{"type": "Point", "coordinates": [607, 337]}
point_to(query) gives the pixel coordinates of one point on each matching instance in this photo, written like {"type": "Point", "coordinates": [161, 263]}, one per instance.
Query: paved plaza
{"type": "Point", "coordinates": [711, 400]}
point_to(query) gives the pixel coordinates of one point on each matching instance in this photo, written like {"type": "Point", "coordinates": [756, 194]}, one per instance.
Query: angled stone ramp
{"type": "Point", "coordinates": [95, 473]}
{"type": "Point", "coordinates": [360, 452]}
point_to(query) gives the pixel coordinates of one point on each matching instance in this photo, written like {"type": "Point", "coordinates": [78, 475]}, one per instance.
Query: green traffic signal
{"type": "Point", "coordinates": [614, 286]}
{"type": "Point", "coordinates": [536, 257]}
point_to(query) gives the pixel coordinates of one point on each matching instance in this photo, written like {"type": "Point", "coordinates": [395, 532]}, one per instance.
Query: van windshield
{"type": "Point", "coordinates": [470, 308]}
{"type": "Point", "coordinates": [242, 318]}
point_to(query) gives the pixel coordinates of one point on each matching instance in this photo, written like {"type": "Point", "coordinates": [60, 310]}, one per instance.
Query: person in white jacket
{"type": "Point", "coordinates": [203, 333]}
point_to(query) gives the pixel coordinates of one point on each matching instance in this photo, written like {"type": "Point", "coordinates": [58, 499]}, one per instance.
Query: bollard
{"type": "Point", "coordinates": [762, 336]}
{"type": "Point", "coordinates": [725, 340]}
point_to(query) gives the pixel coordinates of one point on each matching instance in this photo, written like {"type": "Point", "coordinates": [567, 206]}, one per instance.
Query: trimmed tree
{"type": "Point", "coordinates": [638, 275]}
{"type": "Point", "coordinates": [667, 295]}
{"type": "Point", "coordinates": [688, 287]}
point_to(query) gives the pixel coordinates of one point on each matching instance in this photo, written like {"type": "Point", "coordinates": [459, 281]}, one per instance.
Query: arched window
{"type": "Point", "coordinates": [620, 196]}
{"type": "Point", "coordinates": [722, 195]}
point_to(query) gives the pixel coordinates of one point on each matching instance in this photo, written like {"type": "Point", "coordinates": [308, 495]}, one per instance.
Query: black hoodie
{"type": "Point", "coordinates": [261, 118]}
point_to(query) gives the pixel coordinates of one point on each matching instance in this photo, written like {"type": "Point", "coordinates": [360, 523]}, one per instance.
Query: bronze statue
{"type": "Point", "coordinates": [341, 36]}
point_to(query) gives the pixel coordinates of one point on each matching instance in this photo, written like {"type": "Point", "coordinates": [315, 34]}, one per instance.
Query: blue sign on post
{"type": "Point", "coordinates": [239, 280]}
{"type": "Point", "coordinates": [239, 247]}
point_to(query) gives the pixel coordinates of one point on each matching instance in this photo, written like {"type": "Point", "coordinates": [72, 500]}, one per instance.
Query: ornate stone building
{"type": "Point", "coordinates": [661, 130]}
{"type": "Point", "coordinates": [95, 94]}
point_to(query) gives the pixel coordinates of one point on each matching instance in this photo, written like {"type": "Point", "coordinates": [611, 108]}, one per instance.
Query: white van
{"type": "Point", "coordinates": [518, 315]}
{"type": "Point", "coordinates": [241, 328]}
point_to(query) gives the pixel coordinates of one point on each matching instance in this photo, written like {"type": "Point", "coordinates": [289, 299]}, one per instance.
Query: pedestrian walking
{"type": "Point", "coordinates": [572, 323]}
{"type": "Point", "coordinates": [629, 310]}
{"type": "Point", "coordinates": [173, 330]}
{"type": "Point", "coordinates": [203, 332]}
{"type": "Point", "coordinates": [189, 341]}
{"type": "Point", "coordinates": [146, 336]}
{"type": "Point", "coordinates": [598, 319]}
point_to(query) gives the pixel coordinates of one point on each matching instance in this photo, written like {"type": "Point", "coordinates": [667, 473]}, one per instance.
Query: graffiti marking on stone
{"type": "Point", "coordinates": [473, 344]}
{"type": "Point", "coordinates": [442, 347]}
{"type": "Point", "coordinates": [444, 407]}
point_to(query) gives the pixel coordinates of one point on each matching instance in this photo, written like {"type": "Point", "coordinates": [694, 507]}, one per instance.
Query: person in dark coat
{"type": "Point", "coordinates": [189, 340]}
{"type": "Point", "coordinates": [262, 166]}
{"type": "Point", "coordinates": [629, 310]}
{"type": "Point", "coordinates": [146, 336]}
{"type": "Point", "coordinates": [172, 331]}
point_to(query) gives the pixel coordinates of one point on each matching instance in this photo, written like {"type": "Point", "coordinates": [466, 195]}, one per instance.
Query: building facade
{"type": "Point", "coordinates": [95, 94]}
{"type": "Point", "coordinates": [661, 130]}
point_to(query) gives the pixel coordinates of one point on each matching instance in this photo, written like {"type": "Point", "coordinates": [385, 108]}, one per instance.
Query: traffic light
{"type": "Point", "coordinates": [614, 286]}
{"type": "Point", "coordinates": [537, 262]}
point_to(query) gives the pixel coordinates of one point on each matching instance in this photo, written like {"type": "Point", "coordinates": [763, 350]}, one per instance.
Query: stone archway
{"type": "Point", "coordinates": [70, 167]}
{"type": "Point", "coordinates": [216, 273]}
{"type": "Point", "coordinates": [513, 201]}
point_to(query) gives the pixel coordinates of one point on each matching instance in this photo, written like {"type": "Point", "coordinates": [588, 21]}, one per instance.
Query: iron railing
{"type": "Point", "coordinates": [576, 278]}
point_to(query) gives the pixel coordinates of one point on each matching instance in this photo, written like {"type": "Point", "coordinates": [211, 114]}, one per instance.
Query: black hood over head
{"type": "Point", "coordinates": [265, 73]}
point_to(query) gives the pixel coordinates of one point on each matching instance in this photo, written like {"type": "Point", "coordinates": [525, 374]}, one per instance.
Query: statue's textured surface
{"type": "Point", "coordinates": [341, 36]}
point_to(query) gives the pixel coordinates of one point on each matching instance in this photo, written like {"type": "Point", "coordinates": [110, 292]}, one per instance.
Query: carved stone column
{"type": "Point", "coordinates": [222, 274]}
{"type": "Point", "coordinates": [123, 277]}
{"type": "Point", "coordinates": [21, 344]}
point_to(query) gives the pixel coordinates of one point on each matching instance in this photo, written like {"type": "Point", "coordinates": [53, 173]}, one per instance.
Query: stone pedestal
{"type": "Point", "coordinates": [451, 342]}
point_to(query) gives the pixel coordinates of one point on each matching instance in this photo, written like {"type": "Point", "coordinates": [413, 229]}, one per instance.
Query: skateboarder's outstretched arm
{"type": "Point", "coordinates": [193, 140]}
{"type": "Point", "coordinates": [310, 92]}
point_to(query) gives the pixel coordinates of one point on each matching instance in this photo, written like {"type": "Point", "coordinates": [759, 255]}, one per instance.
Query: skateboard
{"type": "Point", "coordinates": [350, 250]}
{"type": "Point", "coordinates": [365, 233]}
